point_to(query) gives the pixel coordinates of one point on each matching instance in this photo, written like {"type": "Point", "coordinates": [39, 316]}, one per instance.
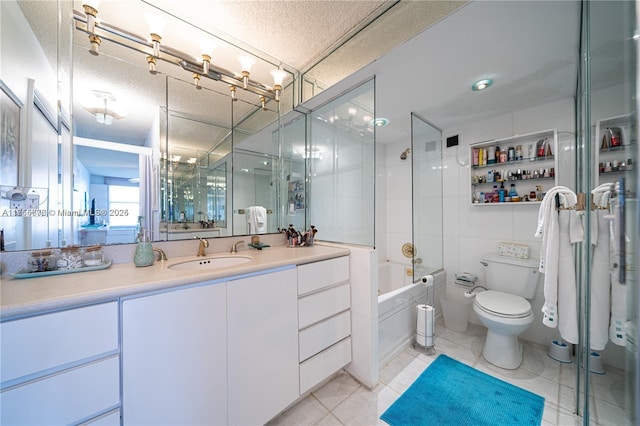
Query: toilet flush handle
{"type": "Point", "coordinates": [484, 263]}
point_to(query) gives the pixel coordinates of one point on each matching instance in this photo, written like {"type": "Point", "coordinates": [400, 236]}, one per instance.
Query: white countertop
{"type": "Point", "coordinates": [29, 296]}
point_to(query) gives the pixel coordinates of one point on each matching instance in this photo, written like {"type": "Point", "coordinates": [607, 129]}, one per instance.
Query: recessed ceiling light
{"type": "Point", "coordinates": [481, 84]}
{"type": "Point", "coordinates": [379, 122]}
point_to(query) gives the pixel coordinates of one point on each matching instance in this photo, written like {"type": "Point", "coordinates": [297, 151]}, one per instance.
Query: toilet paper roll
{"type": "Point", "coordinates": [425, 322]}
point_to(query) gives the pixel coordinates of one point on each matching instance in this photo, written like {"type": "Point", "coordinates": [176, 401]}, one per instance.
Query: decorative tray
{"type": "Point", "coordinates": [258, 246]}
{"type": "Point", "coordinates": [25, 274]}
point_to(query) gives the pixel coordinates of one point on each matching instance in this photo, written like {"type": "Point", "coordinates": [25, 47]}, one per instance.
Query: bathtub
{"type": "Point", "coordinates": [397, 300]}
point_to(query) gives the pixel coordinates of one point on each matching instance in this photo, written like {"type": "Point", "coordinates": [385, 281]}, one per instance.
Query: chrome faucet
{"type": "Point", "coordinates": [204, 243]}
{"type": "Point", "coordinates": [161, 254]}
{"type": "Point", "coordinates": [234, 246]}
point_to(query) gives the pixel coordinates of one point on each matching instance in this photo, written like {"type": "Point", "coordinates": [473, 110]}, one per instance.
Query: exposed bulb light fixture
{"type": "Point", "coordinates": [98, 31]}
{"type": "Point", "coordinates": [156, 26]}
{"type": "Point", "coordinates": [152, 64]}
{"type": "Point", "coordinates": [481, 84]}
{"type": "Point", "coordinates": [91, 10]}
{"type": "Point", "coordinates": [95, 41]}
{"type": "Point", "coordinates": [278, 78]}
{"type": "Point", "coordinates": [246, 62]}
{"type": "Point", "coordinates": [207, 49]}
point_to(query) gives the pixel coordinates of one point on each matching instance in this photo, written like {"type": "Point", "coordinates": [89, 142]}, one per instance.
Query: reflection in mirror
{"type": "Point", "coordinates": [342, 167]}
{"type": "Point", "coordinates": [195, 163]}
{"type": "Point", "coordinates": [255, 155]}
{"type": "Point", "coordinates": [35, 61]}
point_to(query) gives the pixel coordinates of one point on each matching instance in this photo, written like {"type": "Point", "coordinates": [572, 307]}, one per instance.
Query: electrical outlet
{"type": "Point", "coordinates": [17, 205]}
{"type": "Point", "coordinates": [33, 202]}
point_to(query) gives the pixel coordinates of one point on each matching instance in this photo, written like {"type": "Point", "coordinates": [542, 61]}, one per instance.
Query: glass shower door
{"type": "Point", "coordinates": [426, 154]}
{"type": "Point", "coordinates": [607, 160]}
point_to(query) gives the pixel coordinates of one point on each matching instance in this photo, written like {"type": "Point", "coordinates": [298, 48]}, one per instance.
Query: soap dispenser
{"type": "Point", "coordinates": [144, 255]}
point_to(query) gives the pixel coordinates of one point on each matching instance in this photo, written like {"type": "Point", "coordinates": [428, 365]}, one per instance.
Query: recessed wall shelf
{"type": "Point", "coordinates": [525, 163]}
{"type": "Point", "coordinates": [615, 154]}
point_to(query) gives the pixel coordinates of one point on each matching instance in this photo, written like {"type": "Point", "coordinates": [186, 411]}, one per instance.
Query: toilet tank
{"type": "Point", "coordinates": [511, 275]}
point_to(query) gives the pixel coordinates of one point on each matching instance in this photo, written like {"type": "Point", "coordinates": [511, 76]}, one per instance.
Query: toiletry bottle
{"type": "Point", "coordinates": [144, 255]}
{"type": "Point", "coordinates": [512, 191]}
{"type": "Point", "coordinates": [502, 192]}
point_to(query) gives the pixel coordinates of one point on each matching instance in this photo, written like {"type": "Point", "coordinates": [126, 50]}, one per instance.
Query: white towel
{"type": "Point", "coordinates": [567, 296]}
{"type": "Point", "coordinates": [600, 283]}
{"type": "Point", "coordinates": [550, 253]}
{"type": "Point", "coordinates": [619, 291]}
{"type": "Point", "coordinates": [256, 220]}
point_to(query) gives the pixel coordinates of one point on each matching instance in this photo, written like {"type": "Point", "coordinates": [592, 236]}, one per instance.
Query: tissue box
{"type": "Point", "coordinates": [519, 251]}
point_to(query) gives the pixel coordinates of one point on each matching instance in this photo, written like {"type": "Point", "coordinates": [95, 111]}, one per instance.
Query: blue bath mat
{"type": "Point", "coordinates": [451, 393]}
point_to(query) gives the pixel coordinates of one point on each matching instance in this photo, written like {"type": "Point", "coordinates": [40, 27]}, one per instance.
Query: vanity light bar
{"type": "Point", "coordinates": [173, 56]}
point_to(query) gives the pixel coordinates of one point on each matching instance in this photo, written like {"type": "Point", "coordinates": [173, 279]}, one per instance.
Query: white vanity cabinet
{"type": "Point", "coordinates": [263, 346]}
{"type": "Point", "coordinates": [62, 367]}
{"type": "Point", "coordinates": [174, 357]}
{"type": "Point", "coordinates": [324, 320]}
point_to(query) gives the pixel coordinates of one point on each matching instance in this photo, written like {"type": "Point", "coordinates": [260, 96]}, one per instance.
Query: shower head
{"type": "Point", "coordinates": [404, 154]}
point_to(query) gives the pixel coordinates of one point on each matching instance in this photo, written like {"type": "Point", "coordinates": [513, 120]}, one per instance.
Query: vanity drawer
{"type": "Point", "coordinates": [324, 334]}
{"type": "Point", "coordinates": [319, 306]}
{"type": "Point", "coordinates": [318, 368]}
{"type": "Point", "coordinates": [42, 342]}
{"type": "Point", "coordinates": [315, 276]}
{"type": "Point", "coordinates": [64, 398]}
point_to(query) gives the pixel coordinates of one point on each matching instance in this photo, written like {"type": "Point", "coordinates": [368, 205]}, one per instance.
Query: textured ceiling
{"type": "Point", "coordinates": [292, 32]}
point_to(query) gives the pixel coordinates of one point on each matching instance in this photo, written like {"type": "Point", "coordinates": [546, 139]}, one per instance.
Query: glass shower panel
{"type": "Point", "coordinates": [341, 160]}
{"type": "Point", "coordinates": [611, 178]}
{"type": "Point", "coordinates": [426, 154]}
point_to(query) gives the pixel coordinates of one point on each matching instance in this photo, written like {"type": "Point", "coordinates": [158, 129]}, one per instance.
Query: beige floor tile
{"type": "Point", "coordinates": [337, 390]}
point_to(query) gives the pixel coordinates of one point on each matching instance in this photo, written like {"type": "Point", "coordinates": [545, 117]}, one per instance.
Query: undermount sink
{"type": "Point", "coordinates": [205, 263]}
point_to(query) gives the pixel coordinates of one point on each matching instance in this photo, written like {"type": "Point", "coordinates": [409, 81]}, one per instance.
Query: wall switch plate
{"type": "Point", "coordinates": [33, 201]}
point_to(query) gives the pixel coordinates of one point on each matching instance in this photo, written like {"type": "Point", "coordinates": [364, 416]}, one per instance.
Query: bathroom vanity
{"type": "Point", "coordinates": [230, 345]}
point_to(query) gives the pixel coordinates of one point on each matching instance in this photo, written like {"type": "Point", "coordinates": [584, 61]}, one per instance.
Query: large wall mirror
{"type": "Point", "coordinates": [146, 143]}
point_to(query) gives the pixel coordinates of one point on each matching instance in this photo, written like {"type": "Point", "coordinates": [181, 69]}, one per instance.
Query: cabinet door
{"type": "Point", "coordinates": [174, 357]}
{"type": "Point", "coordinates": [263, 346]}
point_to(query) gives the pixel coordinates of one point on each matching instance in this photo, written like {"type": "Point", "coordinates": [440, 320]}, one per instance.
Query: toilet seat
{"type": "Point", "coordinates": [503, 305]}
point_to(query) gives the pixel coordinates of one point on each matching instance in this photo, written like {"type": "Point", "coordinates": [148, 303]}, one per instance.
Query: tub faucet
{"type": "Point", "coordinates": [204, 243]}
{"type": "Point", "coordinates": [234, 246]}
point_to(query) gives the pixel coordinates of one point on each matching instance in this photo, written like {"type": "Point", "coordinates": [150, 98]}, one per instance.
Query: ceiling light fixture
{"type": "Point", "coordinates": [481, 84]}
{"type": "Point", "coordinates": [105, 107]}
{"type": "Point", "coordinates": [380, 122]}
{"type": "Point", "coordinates": [154, 51]}
{"type": "Point", "coordinates": [196, 81]}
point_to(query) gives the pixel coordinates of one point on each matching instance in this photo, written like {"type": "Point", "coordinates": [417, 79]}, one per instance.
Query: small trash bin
{"type": "Point", "coordinates": [456, 312]}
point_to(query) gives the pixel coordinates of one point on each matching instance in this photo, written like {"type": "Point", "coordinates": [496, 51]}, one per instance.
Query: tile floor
{"type": "Point", "coordinates": [343, 401]}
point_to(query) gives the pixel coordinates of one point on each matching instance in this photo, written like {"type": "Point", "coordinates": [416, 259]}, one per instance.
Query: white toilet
{"type": "Point", "coordinates": [503, 308]}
